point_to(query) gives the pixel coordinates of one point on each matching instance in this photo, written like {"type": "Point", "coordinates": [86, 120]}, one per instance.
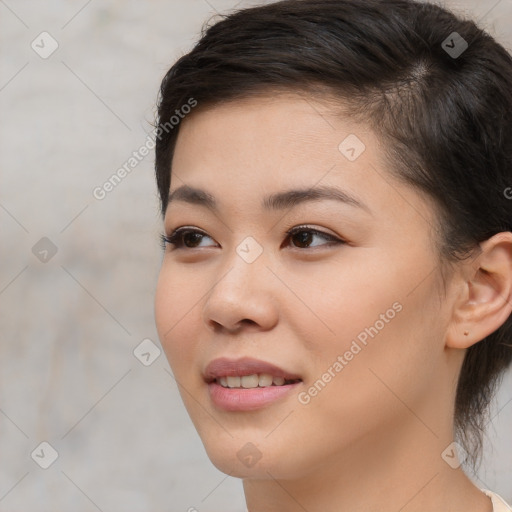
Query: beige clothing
{"type": "Point", "coordinates": [498, 503]}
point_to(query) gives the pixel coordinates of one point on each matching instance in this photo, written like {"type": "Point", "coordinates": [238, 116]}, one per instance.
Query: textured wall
{"type": "Point", "coordinates": [71, 319]}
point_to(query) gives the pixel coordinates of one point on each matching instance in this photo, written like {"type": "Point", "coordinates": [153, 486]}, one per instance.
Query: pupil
{"type": "Point", "coordinates": [196, 239]}
{"type": "Point", "coordinates": [303, 238]}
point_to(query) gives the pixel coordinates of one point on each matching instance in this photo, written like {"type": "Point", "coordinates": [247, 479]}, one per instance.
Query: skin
{"type": "Point", "coordinates": [372, 439]}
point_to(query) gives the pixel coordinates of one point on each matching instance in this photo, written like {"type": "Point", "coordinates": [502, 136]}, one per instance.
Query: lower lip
{"type": "Point", "coordinates": [240, 399]}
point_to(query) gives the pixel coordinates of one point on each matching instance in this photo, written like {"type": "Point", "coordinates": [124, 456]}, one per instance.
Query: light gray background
{"type": "Point", "coordinates": [69, 326]}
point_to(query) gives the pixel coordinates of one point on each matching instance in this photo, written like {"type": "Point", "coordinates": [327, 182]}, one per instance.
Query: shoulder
{"type": "Point", "coordinates": [498, 503]}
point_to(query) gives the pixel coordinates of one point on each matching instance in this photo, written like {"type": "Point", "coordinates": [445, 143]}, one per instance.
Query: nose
{"type": "Point", "coordinates": [243, 295]}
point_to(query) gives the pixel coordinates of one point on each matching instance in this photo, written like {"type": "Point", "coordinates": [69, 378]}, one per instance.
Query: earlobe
{"type": "Point", "coordinates": [485, 301]}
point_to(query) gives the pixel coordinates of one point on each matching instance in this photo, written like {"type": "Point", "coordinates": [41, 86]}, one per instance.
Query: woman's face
{"type": "Point", "coordinates": [349, 304]}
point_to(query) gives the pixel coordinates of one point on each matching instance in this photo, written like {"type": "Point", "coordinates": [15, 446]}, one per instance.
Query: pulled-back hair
{"type": "Point", "coordinates": [443, 110]}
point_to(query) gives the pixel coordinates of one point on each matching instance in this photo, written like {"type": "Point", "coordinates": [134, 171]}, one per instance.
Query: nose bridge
{"type": "Point", "coordinates": [249, 250]}
{"type": "Point", "coordinates": [244, 268]}
{"type": "Point", "coordinates": [240, 292]}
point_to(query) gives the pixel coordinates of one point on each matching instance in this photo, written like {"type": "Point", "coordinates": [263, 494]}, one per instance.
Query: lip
{"type": "Point", "coordinates": [225, 367]}
{"type": "Point", "coordinates": [240, 399]}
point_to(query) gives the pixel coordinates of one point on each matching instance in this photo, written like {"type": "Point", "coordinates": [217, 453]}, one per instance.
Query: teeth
{"type": "Point", "coordinates": [261, 380]}
{"type": "Point", "coordinates": [265, 380]}
{"type": "Point", "coordinates": [249, 381]}
{"type": "Point", "coordinates": [233, 382]}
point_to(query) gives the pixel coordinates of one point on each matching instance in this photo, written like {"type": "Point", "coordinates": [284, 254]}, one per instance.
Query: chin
{"type": "Point", "coordinates": [242, 458]}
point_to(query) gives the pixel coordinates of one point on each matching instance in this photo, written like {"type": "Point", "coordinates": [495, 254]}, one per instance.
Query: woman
{"type": "Point", "coordinates": [336, 292]}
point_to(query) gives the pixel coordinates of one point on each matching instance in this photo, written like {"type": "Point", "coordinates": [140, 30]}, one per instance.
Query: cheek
{"type": "Point", "coordinates": [350, 297]}
{"type": "Point", "coordinates": [175, 303]}
{"type": "Point", "coordinates": [375, 325]}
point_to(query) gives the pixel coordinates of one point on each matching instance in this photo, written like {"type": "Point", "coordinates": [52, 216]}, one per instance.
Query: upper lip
{"type": "Point", "coordinates": [224, 367]}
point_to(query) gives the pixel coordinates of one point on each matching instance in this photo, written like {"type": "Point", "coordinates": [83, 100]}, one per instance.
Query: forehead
{"type": "Point", "coordinates": [284, 118]}
{"type": "Point", "coordinates": [246, 149]}
{"type": "Point", "coordinates": [268, 138]}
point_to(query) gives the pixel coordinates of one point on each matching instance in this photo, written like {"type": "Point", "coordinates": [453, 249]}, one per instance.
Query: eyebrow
{"type": "Point", "coordinates": [277, 201]}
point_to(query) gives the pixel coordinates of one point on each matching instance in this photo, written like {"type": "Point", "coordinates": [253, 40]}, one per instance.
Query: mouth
{"type": "Point", "coordinates": [247, 384]}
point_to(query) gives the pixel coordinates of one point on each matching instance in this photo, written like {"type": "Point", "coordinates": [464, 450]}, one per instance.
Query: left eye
{"type": "Point", "coordinates": [302, 237]}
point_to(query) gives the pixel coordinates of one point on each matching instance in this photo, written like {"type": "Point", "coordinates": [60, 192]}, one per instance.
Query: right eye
{"type": "Point", "coordinates": [186, 238]}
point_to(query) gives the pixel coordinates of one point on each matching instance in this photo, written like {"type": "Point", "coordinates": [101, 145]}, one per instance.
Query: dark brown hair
{"type": "Point", "coordinates": [443, 109]}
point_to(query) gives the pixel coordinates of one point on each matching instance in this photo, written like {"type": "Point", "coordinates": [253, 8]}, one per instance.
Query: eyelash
{"type": "Point", "coordinates": [176, 237]}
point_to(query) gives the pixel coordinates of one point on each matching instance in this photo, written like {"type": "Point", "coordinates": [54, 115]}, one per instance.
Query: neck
{"type": "Point", "coordinates": [398, 470]}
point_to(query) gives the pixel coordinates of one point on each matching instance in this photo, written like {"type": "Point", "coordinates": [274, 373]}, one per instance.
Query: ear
{"type": "Point", "coordinates": [485, 299]}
